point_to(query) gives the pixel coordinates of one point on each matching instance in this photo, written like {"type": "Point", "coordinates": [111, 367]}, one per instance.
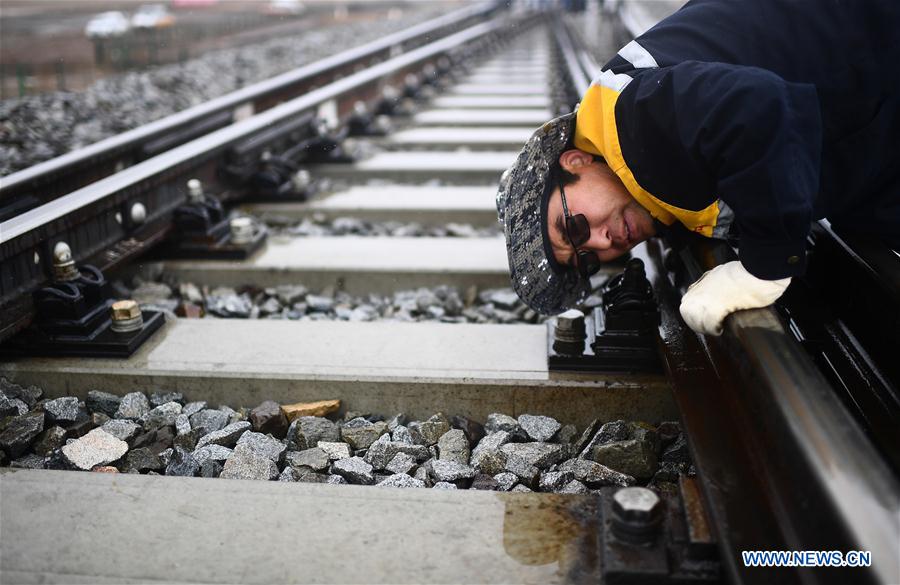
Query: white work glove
{"type": "Point", "coordinates": [723, 290]}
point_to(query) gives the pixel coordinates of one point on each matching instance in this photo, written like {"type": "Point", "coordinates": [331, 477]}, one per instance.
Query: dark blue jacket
{"type": "Point", "coordinates": [758, 117]}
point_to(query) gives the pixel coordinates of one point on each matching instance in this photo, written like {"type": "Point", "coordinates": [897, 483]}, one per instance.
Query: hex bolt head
{"type": "Point", "coordinates": [126, 316]}
{"type": "Point", "coordinates": [63, 263]}
{"type": "Point", "coordinates": [637, 514]}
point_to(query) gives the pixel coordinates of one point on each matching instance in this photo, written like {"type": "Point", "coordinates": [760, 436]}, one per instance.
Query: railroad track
{"type": "Point", "coordinates": [760, 417]}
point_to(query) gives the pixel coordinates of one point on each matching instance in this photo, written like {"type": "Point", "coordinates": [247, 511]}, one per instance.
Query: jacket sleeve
{"type": "Point", "coordinates": [743, 132]}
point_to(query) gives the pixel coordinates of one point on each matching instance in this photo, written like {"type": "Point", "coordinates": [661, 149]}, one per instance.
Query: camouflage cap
{"type": "Point", "coordinates": [524, 191]}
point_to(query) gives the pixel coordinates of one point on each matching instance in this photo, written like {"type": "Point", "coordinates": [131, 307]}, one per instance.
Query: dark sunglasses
{"type": "Point", "coordinates": [578, 231]}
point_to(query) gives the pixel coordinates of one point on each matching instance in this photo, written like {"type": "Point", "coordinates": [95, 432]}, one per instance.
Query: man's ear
{"type": "Point", "coordinates": [574, 160]}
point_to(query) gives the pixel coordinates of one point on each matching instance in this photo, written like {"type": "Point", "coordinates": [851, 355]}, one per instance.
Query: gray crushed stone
{"type": "Point", "coordinates": [354, 470]}
{"type": "Point", "coordinates": [263, 445]}
{"type": "Point", "coordinates": [401, 480]}
{"type": "Point", "coordinates": [212, 453]}
{"type": "Point", "coordinates": [335, 450]}
{"type": "Point", "coordinates": [336, 480]}
{"type": "Point", "coordinates": [20, 432]}
{"type": "Point", "coordinates": [133, 405]}
{"type": "Point", "coordinates": [539, 428]}
{"type": "Point", "coordinates": [228, 436]}
{"type": "Point", "coordinates": [541, 455]}
{"type": "Point", "coordinates": [316, 459]}
{"type": "Point", "coordinates": [209, 420]}
{"type": "Point", "coordinates": [450, 471]}
{"type": "Point", "coordinates": [506, 481]}
{"type": "Point", "coordinates": [162, 416]}
{"type": "Point", "coordinates": [502, 460]}
{"type": "Point", "coordinates": [401, 463]}
{"type": "Point", "coordinates": [122, 429]}
{"type": "Point", "coordinates": [594, 474]}
{"type": "Point", "coordinates": [501, 422]}
{"type": "Point", "coordinates": [247, 463]}
{"type": "Point", "coordinates": [65, 409]}
{"type": "Point", "coordinates": [453, 446]}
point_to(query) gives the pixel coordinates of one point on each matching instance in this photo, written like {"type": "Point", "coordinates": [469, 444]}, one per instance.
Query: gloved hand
{"type": "Point", "coordinates": [723, 290]}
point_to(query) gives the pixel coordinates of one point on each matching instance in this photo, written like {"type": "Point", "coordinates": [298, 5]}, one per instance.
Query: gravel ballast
{"type": "Point", "coordinates": [355, 448]}
{"type": "Point", "coordinates": [296, 302]}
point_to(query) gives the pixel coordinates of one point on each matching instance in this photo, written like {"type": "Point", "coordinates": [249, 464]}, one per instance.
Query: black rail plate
{"type": "Point", "coordinates": [103, 343]}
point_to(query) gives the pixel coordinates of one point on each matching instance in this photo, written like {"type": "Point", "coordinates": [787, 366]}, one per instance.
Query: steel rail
{"type": "Point", "coordinates": [801, 474]}
{"type": "Point", "coordinates": [203, 147]}
{"type": "Point", "coordinates": [93, 219]}
{"type": "Point", "coordinates": [573, 65]}
{"type": "Point", "coordinates": [51, 175]}
{"type": "Point", "coordinates": [585, 60]}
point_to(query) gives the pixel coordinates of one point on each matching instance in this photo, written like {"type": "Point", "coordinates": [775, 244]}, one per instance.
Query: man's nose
{"type": "Point", "coordinates": [600, 239]}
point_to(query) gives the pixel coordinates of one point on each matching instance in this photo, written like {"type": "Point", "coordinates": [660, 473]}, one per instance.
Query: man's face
{"type": "Point", "coordinates": [617, 222]}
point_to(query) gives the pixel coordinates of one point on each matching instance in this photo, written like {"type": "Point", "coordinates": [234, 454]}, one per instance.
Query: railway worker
{"type": "Point", "coordinates": [741, 119]}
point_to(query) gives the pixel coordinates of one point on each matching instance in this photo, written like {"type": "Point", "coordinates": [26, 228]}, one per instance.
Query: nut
{"type": "Point", "coordinates": [64, 269]}
{"type": "Point", "coordinates": [241, 230]}
{"type": "Point", "coordinates": [122, 310]}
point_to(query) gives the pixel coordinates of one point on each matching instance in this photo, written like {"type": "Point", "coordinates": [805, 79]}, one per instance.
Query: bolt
{"type": "Point", "coordinates": [126, 316]}
{"type": "Point", "coordinates": [122, 310]}
{"type": "Point", "coordinates": [383, 124]}
{"type": "Point", "coordinates": [195, 191]}
{"type": "Point", "coordinates": [389, 93]}
{"type": "Point", "coordinates": [138, 213]}
{"type": "Point", "coordinates": [637, 514]}
{"type": "Point", "coordinates": [63, 264]}
{"type": "Point", "coordinates": [241, 230]}
{"type": "Point", "coordinates": [321, 127]}
{"type": "Point", "coordinates": [568, 337]}
{"type": "Point", "coordinates": [360, 108]}
{"type": "Point", "coordinates": [301, 180]}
